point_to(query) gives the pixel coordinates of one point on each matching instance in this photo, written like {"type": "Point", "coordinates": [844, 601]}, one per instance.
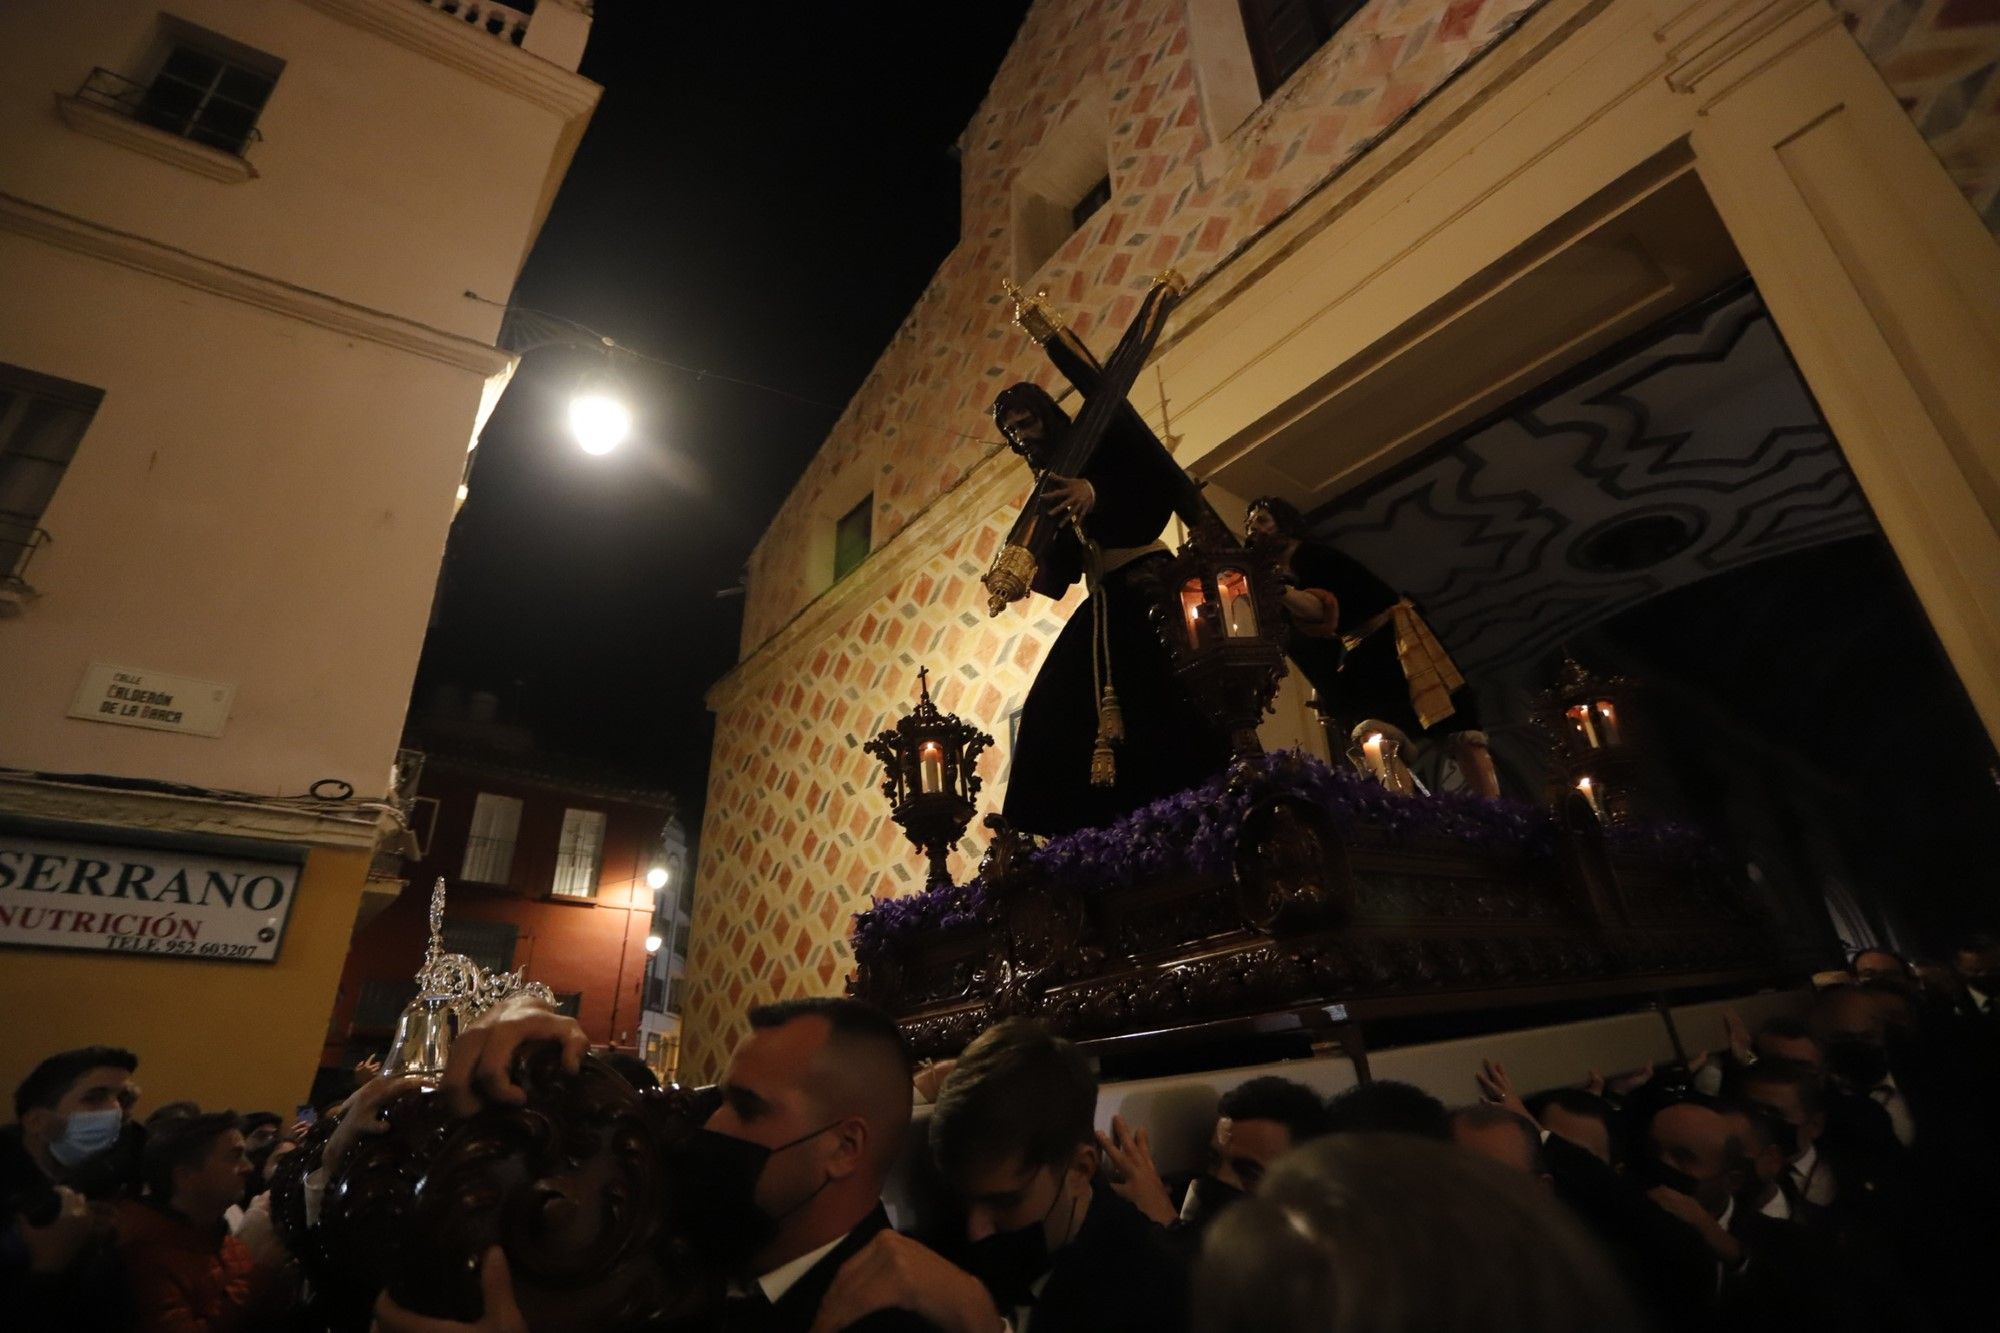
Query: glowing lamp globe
{"type": "Point", "coordinates": [656, 878]}
{"type": "Point", "coordinates": [599, 422]}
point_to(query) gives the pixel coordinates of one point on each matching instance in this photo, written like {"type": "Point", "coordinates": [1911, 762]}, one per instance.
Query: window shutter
{"type": "Point", "coordinates": [581, 851]}
{"type": "Point", "coordinates": [489, 847]}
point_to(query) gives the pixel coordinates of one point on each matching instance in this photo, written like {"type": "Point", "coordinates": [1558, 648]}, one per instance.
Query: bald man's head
{"type": "Point", "coordinates": [856, 1064]}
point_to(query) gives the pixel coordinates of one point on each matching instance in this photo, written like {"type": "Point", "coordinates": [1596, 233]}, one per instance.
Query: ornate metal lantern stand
{"type": "Point", "coordinates": [1219, 610]}
{"type": "Point", "coordinates": [930, 776]}
{"type": "Point", "coordinates": [1591, 721]}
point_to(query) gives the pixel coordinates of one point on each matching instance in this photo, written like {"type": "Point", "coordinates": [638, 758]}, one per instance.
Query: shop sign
{"type": "Point", "coordinates": [114, 890]}
{"type": "Point", "coordinates": [130, 697]}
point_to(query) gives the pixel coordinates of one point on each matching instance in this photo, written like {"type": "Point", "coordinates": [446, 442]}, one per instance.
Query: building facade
{"type": "Point", "coordinates": [1390, 232]}
{"type": "Point", "coordinates": [547, 870]}
{"type": "Point", "coordinates": [240, 377]}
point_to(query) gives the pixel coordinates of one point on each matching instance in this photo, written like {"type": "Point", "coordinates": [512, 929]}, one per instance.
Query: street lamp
{"type": "Point", "coordinates": [598, 422]}
{"type": "Point", "coordinates": [656, 878]}
{"type": "Point", "coordinates": [653, 944]}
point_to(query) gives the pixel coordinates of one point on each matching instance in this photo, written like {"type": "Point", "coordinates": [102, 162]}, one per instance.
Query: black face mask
{"type": "Point", "coordinates": [1856, 1061]}
{"type": "Point", "coordinates": [720, 1173]}
{"type": "Point", "coordinates": [1784, 1136]}
{"type": "Point", "coordinates": [1211, 1198]}
{"type": "Point", "coordinates": [1652, 1171]}
{"type": "Point", "coordinates": [1009, 1262]}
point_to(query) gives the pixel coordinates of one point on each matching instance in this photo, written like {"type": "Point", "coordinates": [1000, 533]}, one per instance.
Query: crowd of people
{"type": "Point", "coordinates": [1835, 1170]}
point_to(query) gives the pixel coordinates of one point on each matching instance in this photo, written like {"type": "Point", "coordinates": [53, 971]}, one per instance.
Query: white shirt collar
{"type": "Point", "coordinates": [785, 1276]}
{"type": "Point", "coordinates": [1777, 1206]}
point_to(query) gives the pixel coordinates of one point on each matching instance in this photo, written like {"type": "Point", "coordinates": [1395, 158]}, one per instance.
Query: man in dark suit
{"type": "Point", "coordinates": [815, 1104]}
{"type": "Point", "coordinates": [1054, 1250]}
{"type": "Point", "coordinates": [1768, 1272]}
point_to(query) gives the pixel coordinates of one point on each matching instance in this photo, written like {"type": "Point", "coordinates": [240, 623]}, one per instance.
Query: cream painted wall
{"type": "Point", "coordinates": [387, 177]}
{"type": "Point", "coordinates": [258, 501]}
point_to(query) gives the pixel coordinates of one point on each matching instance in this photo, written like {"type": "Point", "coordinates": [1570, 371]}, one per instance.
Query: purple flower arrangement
{"type": "Point", "coordinates": [1194, 833]}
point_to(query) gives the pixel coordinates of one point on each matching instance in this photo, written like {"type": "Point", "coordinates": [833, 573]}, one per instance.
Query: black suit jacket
{"type": "Point", "coordinates": [1789, 1278]}
{"type": "Point", "coordinates": [1665, 1265]}
{"type": "Point", "coordinates": [1119, 1275]}
{"type": "Point", "coordinates": [795, 1311]}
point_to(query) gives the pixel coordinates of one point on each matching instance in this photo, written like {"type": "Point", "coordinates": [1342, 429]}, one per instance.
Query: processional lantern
{"type": "Point", "coordinates": [1380, 751]}
{"type": "Point", "coordinates": [1219, 609]}
{"type": "Point", "coordinates": [930, 776]}
{"type": "Point", "coordinates": [452, 990]}
{"type": "Point", "coordinates": [1589, 719]}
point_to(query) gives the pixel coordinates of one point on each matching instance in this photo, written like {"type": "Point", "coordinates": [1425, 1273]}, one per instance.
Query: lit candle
{"type": "Point", "coordinates": [1605, 711]}
{"type": "Point", "coordinates": [1371, 754]}
{"type": "Point", "coordinates": [1191, 602]}
{"type": "Point", "coordinates": [1589, 791]}
{"type": "Point", "coordinates": [1235, 589]}
{"type": "Point", "coordinates": [1579, 716]}
{"type": "Point", "coordinates": [930, 761]}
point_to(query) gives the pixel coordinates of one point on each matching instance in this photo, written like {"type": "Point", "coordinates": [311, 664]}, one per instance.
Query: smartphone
{"type": "Point", "coordinates": [307, 1114]}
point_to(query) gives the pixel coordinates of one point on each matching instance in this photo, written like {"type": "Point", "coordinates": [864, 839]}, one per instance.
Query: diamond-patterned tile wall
{"type": "Point", "coordinates": [1942, 60]}
{"type": "Point", "coordinates": [797, 837]}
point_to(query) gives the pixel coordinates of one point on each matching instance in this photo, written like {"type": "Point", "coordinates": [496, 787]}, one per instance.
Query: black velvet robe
{"type": "Point", "coordinates": [1169, 745]}
{"type": "Point", "coordinates": [1370, 682]}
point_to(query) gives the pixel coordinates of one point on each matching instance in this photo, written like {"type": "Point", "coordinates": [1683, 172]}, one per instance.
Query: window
{"type": "Point", "coordinates": [1099, 196]}
{"type": "Point", "coordinates": [208, 89]}
{"type": "Point", "coordinates": [1284, 34]}
{"type": "Point", "coordinates": [41, 421]}
{"type": "Point", "coordinates": [487, 943]}
{"type": "Point", "coordinates": [381, 1003]}
{"type": "Point", "coordinates": [579, 853]}
{"type": "Point", "coordinates": [489, 847]}
{"type": "Point", "coordinates": [851, 536]}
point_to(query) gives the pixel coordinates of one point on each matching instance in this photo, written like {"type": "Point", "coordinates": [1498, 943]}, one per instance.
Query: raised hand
{"type": "Point", "coordinates": [1134, 1177]}
{"type": "Point", "coordinates": [1496, 1086]}
{"type": "Point", "coordinates": [362, 1114]}
{"type": "Point", "coordinates": [480, 1069]}
{"type": "Point", "coordinates": [1740, 1048]}
{"type": "Point", "coordinates": [893, 1272]}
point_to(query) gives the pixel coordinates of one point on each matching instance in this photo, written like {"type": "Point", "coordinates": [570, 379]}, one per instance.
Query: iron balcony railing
{"type": "Point", "coordinates": [182, 107]}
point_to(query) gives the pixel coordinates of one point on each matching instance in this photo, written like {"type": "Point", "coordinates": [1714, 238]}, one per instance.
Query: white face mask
{"type": "Point", "coordinates": [86, 1134]}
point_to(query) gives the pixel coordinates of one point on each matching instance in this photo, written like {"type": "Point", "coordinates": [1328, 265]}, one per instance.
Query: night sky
{"type": "Point", "coordinates": [763, 194]}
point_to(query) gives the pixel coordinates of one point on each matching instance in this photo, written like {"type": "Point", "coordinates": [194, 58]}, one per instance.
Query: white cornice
{"type": "Point", "coordinates": [469, 50]}
{"type": "Point", "coordinates": [45, 798]}
{"type": "Point", "coordinates": [191, 270]}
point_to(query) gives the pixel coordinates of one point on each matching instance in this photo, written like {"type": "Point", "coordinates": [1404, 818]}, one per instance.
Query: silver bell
{"type": "Point", "coordinates": [422, 1043]}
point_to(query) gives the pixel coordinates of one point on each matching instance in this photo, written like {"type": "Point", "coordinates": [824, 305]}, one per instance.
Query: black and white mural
{"type": "Point", "coordinates": [1699, 452]}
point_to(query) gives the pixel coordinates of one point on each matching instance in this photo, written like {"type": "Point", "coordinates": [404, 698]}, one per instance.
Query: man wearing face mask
{"type": "Point", "coordinates": [815, 1104]}
{"type": "Point", "coordinates": [1796, 1108]}
{"type": "Point", "coordinates": [1055, 1252]}
{"type": "Point", "coordinates": [1975, 965]}
{"type": "Point", "coordinates": [1256, 1123]}
{"type": "Point", "coordinates": [1769, 1273]}
{"type": "Point", "coordinates": [69, 1145]}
